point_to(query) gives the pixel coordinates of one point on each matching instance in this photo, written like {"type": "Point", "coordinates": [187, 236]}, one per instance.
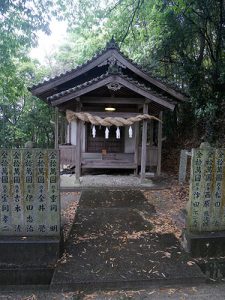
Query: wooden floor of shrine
{"type": "Point", "coordinates": [108, 164]}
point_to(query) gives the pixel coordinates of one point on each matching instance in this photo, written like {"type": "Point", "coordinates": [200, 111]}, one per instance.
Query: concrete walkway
{"type": "Point", "coordinates": [111, 245]}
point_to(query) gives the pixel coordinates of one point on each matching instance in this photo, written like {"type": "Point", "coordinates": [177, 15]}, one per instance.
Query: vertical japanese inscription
{"type": "Point", "coordinates": [53, 205]}
{"type": "Point", "coordinates": [206, 198]}
{"type": "Point", "coordinates": [41, 190]}
{"type": "Point", "coordinates": [5, 208]}
{"type": "Point", "coordinates": [29, 191]}
{"type": "Point", "coordinates": [16, 186]}
{"type": "Point", "coordinates": [29, 180]}
{"type": "Point", "coordinates": [218, 195]}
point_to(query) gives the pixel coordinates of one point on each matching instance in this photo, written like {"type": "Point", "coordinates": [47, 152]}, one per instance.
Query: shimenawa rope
{"type": "Point", "coordinates": [108, 121]}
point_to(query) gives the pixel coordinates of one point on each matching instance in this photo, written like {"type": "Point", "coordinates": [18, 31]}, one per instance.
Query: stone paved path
{"type": "Point", "coordinates": [111, 244]}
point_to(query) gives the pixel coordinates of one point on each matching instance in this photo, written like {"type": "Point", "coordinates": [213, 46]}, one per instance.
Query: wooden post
{"type": "Point", "coordinates": [151, 142]}
{"type": "Point", "coordinates": [136, 152]}
{"type": "Point", "coordinates": [65, 131]}
{"type": "Point", "coordinates": [143, 144]}
{"type": "Point", "coordinates": [151, 133]}
{"type": "Point", "coordinates": [56, 128]}
{"type": "Point", "coordinates": [78, 147]}
{"type": "Point", "coordinates": [70, 130]}
{"type": "Point", "coordinates": [61, 130]}
{"type": "Point", "coordinates": [159, 150]}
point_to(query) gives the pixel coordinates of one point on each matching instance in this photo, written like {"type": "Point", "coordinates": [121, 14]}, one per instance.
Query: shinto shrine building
{"type": "Point", "coordinates": [114, 108]}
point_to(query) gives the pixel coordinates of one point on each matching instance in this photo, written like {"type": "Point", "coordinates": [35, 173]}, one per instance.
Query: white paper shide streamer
{"type": "Point", "coordinates": [107, 133]}
{"type": "Point", "coordinates": [130, 131]}
{"type": "Point", "coordinates": [118, 133]}
{"type": "Point", "coordinates": [93, 131]}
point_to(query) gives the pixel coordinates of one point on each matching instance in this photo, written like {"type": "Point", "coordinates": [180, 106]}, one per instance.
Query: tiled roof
{"type": "Point", "coordinates": [110, 45]}
{"type": "Point", "coordinates": [100, 78]}
{"type": "Point", "coordinates": [78, 87]}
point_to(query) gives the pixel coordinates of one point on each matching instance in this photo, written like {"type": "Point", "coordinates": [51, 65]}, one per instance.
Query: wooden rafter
{"type": "Point", "coordinates": [114, 100]}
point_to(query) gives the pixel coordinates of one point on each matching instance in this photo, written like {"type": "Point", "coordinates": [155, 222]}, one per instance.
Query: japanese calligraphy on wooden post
{"type": "Point", "coordinates": [206, 207]}
{"type": "Point", "coordinates": [29, 187]}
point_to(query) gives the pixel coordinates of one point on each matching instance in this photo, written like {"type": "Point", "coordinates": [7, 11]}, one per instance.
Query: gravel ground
{"type": "Point", "coordinates": [69, 203]}
{"type": "Point", "coordinates": [104, 180]}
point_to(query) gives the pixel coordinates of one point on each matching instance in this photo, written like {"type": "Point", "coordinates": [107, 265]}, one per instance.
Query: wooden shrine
{"type": "Point", "coordinates": [109, 88]}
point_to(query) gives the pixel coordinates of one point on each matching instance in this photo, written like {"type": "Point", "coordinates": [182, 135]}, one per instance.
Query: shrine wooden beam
{"type": "Point", "coordinates": [78, 146]}
{"type": "Point", "coordinates": [70, 130]}
{"type": "Point", "coordinates": [136, 147]}
{"type": "Point", "coordinates": [151, 132]}
{"type": "Point", "coordinates": [113, 100]}
{"type": "Point", "coordinates": [159, 150]}
{"type": "Point", "coordinates": [103, 114]}
{"type": "Point", "coordinates": [144, 143]}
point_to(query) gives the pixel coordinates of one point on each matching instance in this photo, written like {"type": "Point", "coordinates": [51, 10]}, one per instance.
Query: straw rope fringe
{"type": "Point", "coordinates": [108, 121]}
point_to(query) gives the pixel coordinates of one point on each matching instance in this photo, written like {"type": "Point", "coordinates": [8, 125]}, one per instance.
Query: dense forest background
{"type": "Point", "coordinates": [181, 41]}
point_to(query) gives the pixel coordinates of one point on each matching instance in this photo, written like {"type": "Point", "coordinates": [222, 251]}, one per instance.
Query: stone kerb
{"type": "Point", "coordinates": [29, 193]}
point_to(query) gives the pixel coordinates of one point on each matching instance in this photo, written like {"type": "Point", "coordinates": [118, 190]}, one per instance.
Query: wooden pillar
{"type": "Point", "coordinates": [70, 130]}
{"type": "Point", "coordinates": [143, 144]}
{"type": "Point", "coordinates": [56, 128]}
{"type": "Point", "coordinates": [78, 147]}
{"type": "Point", "coordinates": [151, 123]}
{"type": "Point", "coordinates": [61, 130]}
{"type": "Point", "coordinates": [136, 150]}
{"type": "Point", "coordinates": [159, 150]}
{"type": "Point", "coordinates": [151, 142]}
{"type": "Point", "coordinates": [65, 131]}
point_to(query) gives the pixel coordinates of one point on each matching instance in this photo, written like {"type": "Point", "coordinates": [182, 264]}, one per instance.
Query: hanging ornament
{"type": "Point", "coordinates": [118, 133]}
{"type": "Point", "coordinates": [93, 131]}
{"type": "Point", "coordinates": [130, 131]}
{"type": "Point", "coordinates": [107, 133]}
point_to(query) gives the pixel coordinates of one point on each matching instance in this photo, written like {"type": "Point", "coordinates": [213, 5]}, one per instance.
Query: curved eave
{"type": "Point", "coordinates": [42, 88]}
{"type": "Point", "coordinates": [76, 92]}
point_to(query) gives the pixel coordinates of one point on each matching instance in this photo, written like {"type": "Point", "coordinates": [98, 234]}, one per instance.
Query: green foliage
{"type": "Point", "coordinates": [79, 46]}
{"type": "Point", "coordinates": [19, 22]}
{"type": "Point", "coordinates": [24, 117]}
{"type": "Point", "coordinates": [181, 41]}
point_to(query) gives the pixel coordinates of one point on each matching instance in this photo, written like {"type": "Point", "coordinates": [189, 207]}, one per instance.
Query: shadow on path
{"type": "Point", "coordinates": [111, 243]}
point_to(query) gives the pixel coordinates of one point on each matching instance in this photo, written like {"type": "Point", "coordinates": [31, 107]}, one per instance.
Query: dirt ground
{"type": "Point", "coordinates": [121, 236]}
{"type": "Point", "coordinates": [169, 204]}
{"type": "Point", "coordinates": [168, 217]}
{"type": "Point", "coordinates": [203, 292]}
